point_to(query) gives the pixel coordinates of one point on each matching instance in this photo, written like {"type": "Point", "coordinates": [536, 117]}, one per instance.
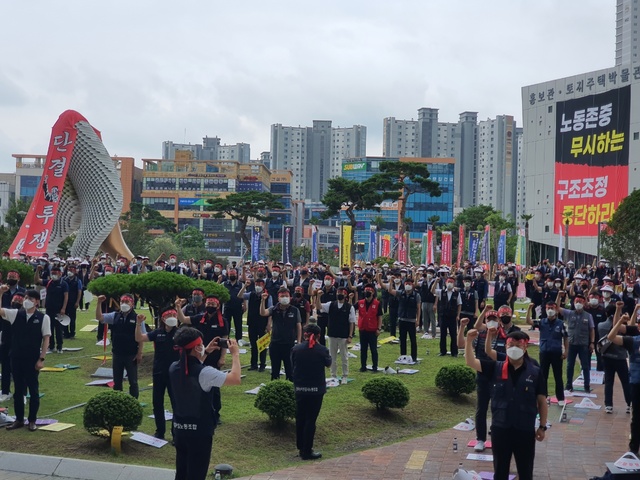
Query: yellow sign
{"type": "Point", "coordinates": [116, 439]}
{"type": "Point", "coordinates": [264, 341]}
{"type": "Point", "coordinates": [345, 245]}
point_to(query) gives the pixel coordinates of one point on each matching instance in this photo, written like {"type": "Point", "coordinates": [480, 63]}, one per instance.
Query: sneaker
{"type": "Point", "coordinates": [343, 381]}
{"type": "Point", "coordinates": [628, 409]}
{"type": "Point", "coordinates": [59, 350]}
{"type": "Point", "coordinates": [5, 397]}
{"type": "Point", "coordinates": [261, 368]}
{"type": "Point", "coordinates": [608, 409]}
{"type": "Point", "coordinates": [587, 389]}
{"type": "Point", "coordinates": [561, 403]}
{"type": "Point", "coordinates": [363, 369]}
{"type": "Point", "coordinates": [253, 367]}
{"type": "Point", "coordinates": [479, 447]}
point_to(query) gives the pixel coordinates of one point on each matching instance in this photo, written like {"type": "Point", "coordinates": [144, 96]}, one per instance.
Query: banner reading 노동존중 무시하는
{"type": "Point", "coordinates": [592, 159]}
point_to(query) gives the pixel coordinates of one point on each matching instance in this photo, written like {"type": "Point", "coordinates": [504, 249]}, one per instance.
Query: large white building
{"type": "Point", "coordinates": [581, 143]}
{"type": "Point", "coordinates": [209, 149]}
{"type": "Point", "coordinates": [314, 154]}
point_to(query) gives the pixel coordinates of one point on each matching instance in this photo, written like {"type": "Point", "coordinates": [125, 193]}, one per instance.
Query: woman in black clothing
{"type": "Point", "coordinates": [309, 359]}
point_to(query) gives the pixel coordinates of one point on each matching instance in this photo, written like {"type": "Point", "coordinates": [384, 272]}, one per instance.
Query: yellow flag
{"type": "Point", "coordinates": [345, 245]}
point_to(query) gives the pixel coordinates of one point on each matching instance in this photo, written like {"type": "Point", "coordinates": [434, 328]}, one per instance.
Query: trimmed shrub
{"type": "Point", "coordinates": [112, 285]}
{"type": "Point", "coordinates": [213, 288]}
{"type": "Point", "coordinates": [26, 271]}
{"type": "Point", "coordinates": [386, 392]}
{"type": "Point", "coordinates": [160, 289]}
{"type": "Point", "coordinates": [277, 399]}
{"type": "Point", "coordinates": [112, 409]}
{"type": "Point", "coordinates": [456, 379]}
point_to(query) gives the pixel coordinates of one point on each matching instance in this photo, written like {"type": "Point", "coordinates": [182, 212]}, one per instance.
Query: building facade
{"type": "Point", "coordinates": [209, 149]}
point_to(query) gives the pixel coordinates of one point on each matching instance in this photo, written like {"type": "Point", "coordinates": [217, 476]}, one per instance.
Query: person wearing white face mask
{"type": "Point", "coordinates": [31, 332]}
{"type": "Point", "coordinates": [163, 356]}
{"type": "Point", "coordinates": [553, 337]}
{"type": "Point", "coordinates": [449, 308]}
{"type": "Point", "coordinates": [55, 304]}
{"type": "Point", "coordinates": [581, 331]}
{"type": "Point", "coordinates": [126, 352]}
{"type": "Point", "coordinates": [409, 311]}
{"type": "Point", "coordinates": [194, 421]}
{"type": "Point", "coordinates": [256, 323]}
{"type": "Point", "coordinates": [518, 396]}
{"type": "Point", "coordinates": [286, 328]}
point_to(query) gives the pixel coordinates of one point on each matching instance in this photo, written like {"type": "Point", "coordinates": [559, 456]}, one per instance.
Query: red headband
{"type": "Point", "coordinates": [126, 297]}
{"type": "Point", "coordinates": [183, 351]}
{"type": "Point", "coordinates": [169, 313]}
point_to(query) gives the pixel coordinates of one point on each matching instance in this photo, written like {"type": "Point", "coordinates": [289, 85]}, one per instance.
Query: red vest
{"type": "Point", "coordinates": [368, 317]}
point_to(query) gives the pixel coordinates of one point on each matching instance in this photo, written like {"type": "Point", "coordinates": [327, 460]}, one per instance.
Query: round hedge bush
{"type": "Point", "coordinates": [386, 392]}
{"type": "Point", "coordinates": [277, 399]}
{"type": "Point", "coordinates": [112, 409]}
{"type": "Point", "coordinates": [455, 380]}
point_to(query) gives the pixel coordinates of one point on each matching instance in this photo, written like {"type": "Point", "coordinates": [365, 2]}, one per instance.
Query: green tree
{"type": "Point", "coordinates": [160, 245]}
{"type": "Point", "coordinates": [137, 222]}
{"type": "Point", "coordinates": [274, 253]}
{"type": "Point", "coordinates": [620, 243]}
{"type": "Point", "coordinates": [15, 216]}
{"type": "Point", "coordinates": [379, 222]}
{"type": "Point", "coordinates": [399, 180]}
{"type": "Point", "coordinates": [350, 196]}
{"type": "Point", "coordinates": [243, 207]}
{"type": "Point", "coordinates": [191, 243]}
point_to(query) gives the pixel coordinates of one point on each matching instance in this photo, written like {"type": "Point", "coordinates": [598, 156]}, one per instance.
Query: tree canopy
{"type": "Point", "coordinates": [620, 242]}
{"type": "Point", "coordinates": [243, 207]}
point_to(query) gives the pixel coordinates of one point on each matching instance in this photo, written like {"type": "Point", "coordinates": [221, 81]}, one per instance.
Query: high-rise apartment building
{"type": "Point", "coordinates": [627, 38]}
{"type": "Point", "coordinates": [209, 149]}
{"type": "Point", "coordinates": [400, 138]}
{"type": "Point", "coordinates": [314, 154]}
{"type": "Point", "coordinates": [496, 178]}
{"type": "Point", "coordinates": [466, 154]}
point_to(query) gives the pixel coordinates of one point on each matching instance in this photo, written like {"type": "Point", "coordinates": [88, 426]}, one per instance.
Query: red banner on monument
{"type": "Point", "coordinates": [446, 248]}
{"type": "Point", "coordinates": [35, 232]}
{"type": "Point", "coordinates": [592, 160]}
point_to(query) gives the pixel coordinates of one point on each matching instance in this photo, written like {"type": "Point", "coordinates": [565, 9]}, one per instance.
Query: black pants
{"type": "Point", "coordinates": [128, 363]}
{"type": "Point", "coordinates": [307, 410]}
{"type": "Point", "coordinates": [5, 368]}
{"type": "Point", "coordinates": [161, 384]}
{"type": "Point", "coordinates": [281, 353]}
{"type": "Point", "coordinates": [611, 367]}
{"type": "Point", "coordinates": [408, 328]}
{"type": "Point", "coordinates": [25, 377]}
{"type": "Point", "coordinates": [510, 441]}
{"type": "Point", "coordinates": [393, 320]}
{"type": "Point", "coordinates": [235, 315]}
{"type": "Point", "coordinates": [192, 457]}
{"type": "Point", "coordinates": [322, 322]}
{"type": "Point", "coordinates": [256, 330]}
{"type": "Point", "coordinates": [483, 397]}
{"type": "Point", "coordinates": [70, 330]}
{"type": "Point", "coordinates": [634, 442]}
{"type": "Point", "coordinates": [385, 304]}
{"type": "Point", "coordinates": [448, 325]}
{"type": "Point", "coordinates": [553, 360]}
{"type": "Point", "coordinates": [55, 342]}
{"type": "Point", "coordinates": [368, 340]}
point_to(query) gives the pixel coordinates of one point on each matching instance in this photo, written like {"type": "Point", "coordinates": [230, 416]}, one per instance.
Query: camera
{"type": "Point", "coordinates": [223, 343]}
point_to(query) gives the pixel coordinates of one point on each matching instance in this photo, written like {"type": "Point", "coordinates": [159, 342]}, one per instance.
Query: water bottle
{"type": "Point", "coordinates": [455, 444]}
{"type": "Point", "coordinates": [548, 401]}
{"type": "Point", "coordinates": [217, 477]}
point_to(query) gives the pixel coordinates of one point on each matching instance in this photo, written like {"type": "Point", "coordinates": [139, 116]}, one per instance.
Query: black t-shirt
{"type": "Point", "coordinates": [164, 353]}
{"type": "Point", "coordinates": [284, 324]}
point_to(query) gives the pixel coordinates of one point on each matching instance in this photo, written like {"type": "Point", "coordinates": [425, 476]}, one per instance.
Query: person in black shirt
{"type": "Point", "coordinates": [164, 355]}
{"type": "Point", "coordinates": [518, 395]}
{"type": "Point", "coordinates": [285, 327]}
{"type": "Point", "coordinates": [234, 308]}
{"type": "Point", "coordinates": [73, 301]}
{"type": "Point", "coordinates": [309, 360]}
{"type": "Point", "coordinates": [10, 299]}
{"type": "Point", "coordinates": [256, 323]}
{"type": "Point", "coordinates": [56, 304]}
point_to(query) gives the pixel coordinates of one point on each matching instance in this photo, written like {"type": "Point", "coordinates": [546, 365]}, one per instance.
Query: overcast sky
{"type": "Point", "coordinates": [145, 71]}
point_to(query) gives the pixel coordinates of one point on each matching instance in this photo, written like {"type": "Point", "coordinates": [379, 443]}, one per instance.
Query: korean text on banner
{"type": "Point", "coordinates": [255, 243]}
{"type": "Point", "coordinates": [345, 245]}
{"type": "Point", "coordinates": [386, 246]}
{"type": "Point", "coordinates": [520, 248]}
{"type": "Point", "coordinates": [460, 245]}
{"type": "Point", "coordinates": [287, 243]}
{"type": "Point", "coordinates": [592, 159]}
{"type": "Point", "coordinates": [502, 247]}
{"type": "Point", "coordinates": [474, 243]}
{"type": "Point", "coordinates": [402, 248]}
{"type": "Point", "coordinates": [446, 248]}
{"type": "Point", "coordinates": [35, 232]}
{"type": "Point", "coordinates": [373, 244]}
{"type": "Point", "coordinates": [485, 251]}
{"type": "Point", "coordinates": [430, 252]}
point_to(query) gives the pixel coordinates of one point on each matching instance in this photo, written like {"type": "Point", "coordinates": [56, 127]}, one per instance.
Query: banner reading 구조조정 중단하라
{"type": "Point", "coordinates": [592, 159]}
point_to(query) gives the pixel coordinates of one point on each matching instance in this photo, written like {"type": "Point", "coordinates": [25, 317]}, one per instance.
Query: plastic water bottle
{"type": "Point", "coordinates": [455, 444]}
{"type": "Point", "coordinates": [217, 477]}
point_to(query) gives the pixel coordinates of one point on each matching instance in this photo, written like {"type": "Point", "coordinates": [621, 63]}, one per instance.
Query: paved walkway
{"type": "Point", "coordinates": [573, 450]}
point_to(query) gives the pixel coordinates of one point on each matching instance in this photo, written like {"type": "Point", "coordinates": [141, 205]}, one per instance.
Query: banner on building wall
{"type": "Point", "coordinates": [345, 245]}
{"type": "Point", "coordinates": [592, 159]}
{"type": "Point", "coordinates": [373, 244]}
{"type": "Point", "coordinates": [460, 259]}
{"type": "Point", "coordinates": [386, 246]}
{"type": "Point", "coordinates": [314, 243]}
{"type": "Point", "coordinates": [35, 233]}
{"type": "Point", "coordinates": [521, 248]}
{"type": "Point", "coordinates": [287, 244]}
{"type": "Point", "coordinates": [502, 248]}
{"type": "Point", "coordinates": [255, 243]}
{"type": "Point", "coordinates": [430, 251]}
{"type": "Point", "coordinates": [474, 243]}
{"type": "Point", "coordinates": [485, 250]}
{"type": "Point", "coordinates": [446, 248]}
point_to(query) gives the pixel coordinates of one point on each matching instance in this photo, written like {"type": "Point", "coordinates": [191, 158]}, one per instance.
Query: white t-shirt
{"type": "Point", "coordinates": [10, 315]}
{"type": "Point", "coordinates": [210, 377]}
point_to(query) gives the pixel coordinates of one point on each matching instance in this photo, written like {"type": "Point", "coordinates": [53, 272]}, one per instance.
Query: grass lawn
{"type": "Point", "coordinates": [246, 439]}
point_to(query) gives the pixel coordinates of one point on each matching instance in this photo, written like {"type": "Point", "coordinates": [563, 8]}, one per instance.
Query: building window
{"type": "Point", "coordinates": [546, 229]}
{"type": "Point", "coordinates": [636, 135]}
{"type": "Point", "coordinates": [550, 109]}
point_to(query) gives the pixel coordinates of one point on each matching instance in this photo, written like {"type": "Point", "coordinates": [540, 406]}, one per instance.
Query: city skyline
{"type": "Point", "coordinates": [355, 64]}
